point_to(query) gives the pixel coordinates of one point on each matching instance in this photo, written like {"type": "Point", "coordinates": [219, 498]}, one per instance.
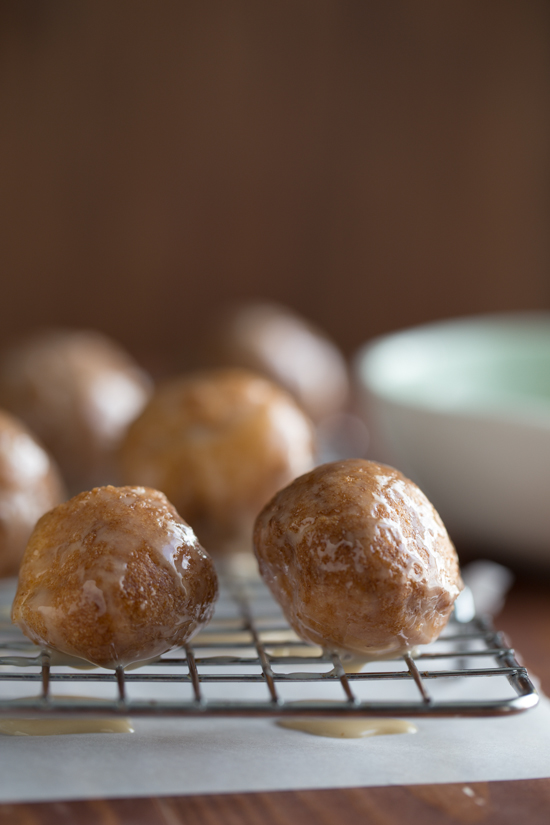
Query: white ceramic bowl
{"type": "Point", "coordinates": [462, 407]}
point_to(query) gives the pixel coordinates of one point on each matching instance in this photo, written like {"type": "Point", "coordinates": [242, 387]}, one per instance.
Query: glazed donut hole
{"type": "Point", "coordinates": [358, 559]}
{"type": "Point", "coordinates": [30, 484]}
{"type": "Point", "coordinates": [219, 444]}
{"type": "Point", "coordinates": [77, 390]}
{"type": "Point", "coordinates": [277, 342]}
{"type": "Point", "coordinates": [114, 576]}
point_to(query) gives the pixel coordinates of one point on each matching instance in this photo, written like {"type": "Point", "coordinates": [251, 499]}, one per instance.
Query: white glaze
{"type": "Point", "coordinates": [97, 545]}
{"type": "Point", "coordinates": [359, 560]}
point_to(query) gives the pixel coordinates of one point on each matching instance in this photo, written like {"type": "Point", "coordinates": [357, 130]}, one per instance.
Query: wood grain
{"type": "Point", "coordinates": [494, 803]}
{"type": "Point", "coordinates": [375, 165]}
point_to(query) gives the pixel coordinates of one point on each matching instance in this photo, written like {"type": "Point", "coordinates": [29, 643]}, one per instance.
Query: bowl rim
{"type": "Point", "coordinates": [529, 325]}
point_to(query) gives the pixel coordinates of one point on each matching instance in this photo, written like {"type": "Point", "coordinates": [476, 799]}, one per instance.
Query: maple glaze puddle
{"type": "Point", "coordinates": [354, 665]}
{"type": "Point", "coordinates": [337, 728]}
{"type": "Point", "coordinates": [279, 636]}
{"type": "Point", "coordinates": [342, 727]}
{"type": "Point", "coordinates": [63, 727]}
{"type": "Point", "coordinates": [58, 726]}
{"type": "Point", "coordinates": [229, 637]}
{"type": "Point", "coordinates": [230, 624]}
{"type": "Point", "coordinates": [301, 651]}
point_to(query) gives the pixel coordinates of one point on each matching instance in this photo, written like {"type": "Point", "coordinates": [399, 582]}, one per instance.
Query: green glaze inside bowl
{"type": "Point", "coordinates": [496, 365]}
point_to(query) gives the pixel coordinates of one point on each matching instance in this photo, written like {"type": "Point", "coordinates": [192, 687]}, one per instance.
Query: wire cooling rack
{"type": "Point", "coordinates": [248, 662]}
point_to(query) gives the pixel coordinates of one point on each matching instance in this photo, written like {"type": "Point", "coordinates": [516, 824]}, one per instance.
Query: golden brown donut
{"type": "Point", "coordinates": [219, 443]}
{"type": "Point", "coordinates": [275, 341]}
{"type": "Point", "coordinates": [358, 559]}
{"type": "Point", "coordinates": [78, 391]}
{"type": "Point", "coordinates": [114, 576]}
{"type": "Point", "coordinates": [30, 485]}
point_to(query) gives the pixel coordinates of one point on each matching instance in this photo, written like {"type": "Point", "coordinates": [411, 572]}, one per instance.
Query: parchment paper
{"type": "Point", "coordinates": [195, 756]}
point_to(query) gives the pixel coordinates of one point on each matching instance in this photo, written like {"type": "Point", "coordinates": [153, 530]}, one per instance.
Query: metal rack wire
{"type": "Point", "coordinates": [248, 662]}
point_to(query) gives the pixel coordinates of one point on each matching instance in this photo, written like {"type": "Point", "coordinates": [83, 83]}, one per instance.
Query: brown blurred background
{"type": "Point", "coordinates": [373, 164]}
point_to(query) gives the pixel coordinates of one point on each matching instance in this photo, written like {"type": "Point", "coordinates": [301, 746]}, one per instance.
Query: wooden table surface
{"type": "Point", "coordinates": [526, 620]}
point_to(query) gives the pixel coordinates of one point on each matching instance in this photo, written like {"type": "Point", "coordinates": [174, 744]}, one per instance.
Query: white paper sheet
{"type": "Point", "coordinates": [196, 756]}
